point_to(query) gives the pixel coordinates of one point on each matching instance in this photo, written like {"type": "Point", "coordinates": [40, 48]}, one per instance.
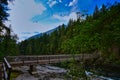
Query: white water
{"type": "Point", "coordinates": [96, 77]}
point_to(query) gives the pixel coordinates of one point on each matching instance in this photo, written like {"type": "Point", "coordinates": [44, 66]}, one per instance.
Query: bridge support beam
{"type": "Point", "coordinates": [31, 69]}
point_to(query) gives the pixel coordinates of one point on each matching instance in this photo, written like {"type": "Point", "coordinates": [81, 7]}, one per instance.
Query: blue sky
{"type": "Point", "coordinates": [30, 17]}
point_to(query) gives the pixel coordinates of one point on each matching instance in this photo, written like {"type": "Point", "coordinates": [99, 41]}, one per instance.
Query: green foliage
{"type": "Point", "coordinates": [96, 12]}
{"type": "Point", "coordinates": [8, 44]}
{"type": "Point", "coordinates": [76, 70]}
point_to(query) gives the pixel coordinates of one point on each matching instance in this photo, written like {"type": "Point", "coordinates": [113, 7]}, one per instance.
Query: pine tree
{"type": "Point", "coordinates": [96, 13]}
{"type": "Point", "coordinates": [7, 41]}
{"type": "Point", "coordinates": [103, 9]}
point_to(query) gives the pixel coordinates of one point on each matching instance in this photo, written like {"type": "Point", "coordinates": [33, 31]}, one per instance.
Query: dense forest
{"type": "Point", "coordinates": [98, 32]}
{"type": "Point", "coordinates": [8, 44]}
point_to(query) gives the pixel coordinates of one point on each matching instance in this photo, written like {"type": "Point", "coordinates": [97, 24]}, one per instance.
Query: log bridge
{"type": "Point", "coordinates": [27, 60]}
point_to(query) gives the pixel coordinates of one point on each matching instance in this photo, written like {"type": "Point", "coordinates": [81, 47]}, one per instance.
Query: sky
{"type": "Point", "coordinates": [31, 17]}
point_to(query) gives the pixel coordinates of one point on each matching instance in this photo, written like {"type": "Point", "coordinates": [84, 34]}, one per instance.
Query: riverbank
{"type": "Point", "coordinates": [47, 72]}
{"type": "Point", "coordinates": [91, 70]}
{"type": "Point", "coordinates": [100, 67]}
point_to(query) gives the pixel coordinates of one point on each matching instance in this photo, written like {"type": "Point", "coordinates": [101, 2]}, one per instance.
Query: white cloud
{"type": "Point", "coordinates": [25, 9]}
{"type": "Point", "coordinates": [60, 1]}
{"type": "Point", "coordinates": [51, 3]}
{"type": "Point", "coordinates": [66, 18]}
{"type": "Point", "coordinates": [72, 3]}
{"type": "Point", "coordinates": [20, 16]}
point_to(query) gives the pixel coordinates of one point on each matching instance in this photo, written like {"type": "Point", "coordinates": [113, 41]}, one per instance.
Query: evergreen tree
{"type": "Point", "coordinates": [103, 9]}
{"type": "Point", "coordinates": [96, 13]}
{"type": "Point", "coordinates": [7, 41]}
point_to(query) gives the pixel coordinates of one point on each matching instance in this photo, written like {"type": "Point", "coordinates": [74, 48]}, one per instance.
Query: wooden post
{"type": "Point", "coordinates": [9, 73]}
{"type": "Point", "coordinates": [49, 59]}
{"type": "Point", "coordinates": [23, 61]}
{"type": "Point", "coordinates": [6, 69]}
{"type": "Point", "coordinates": [31, 69]}
{"type": "Point", "coordinates": [37, 59]}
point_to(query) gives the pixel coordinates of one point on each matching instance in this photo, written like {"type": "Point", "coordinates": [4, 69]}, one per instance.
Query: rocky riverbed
{"type": "Point", "coordinates": [46, 72]}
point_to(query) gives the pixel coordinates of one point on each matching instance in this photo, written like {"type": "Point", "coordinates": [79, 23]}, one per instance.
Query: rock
{"type": "Point", "coordinates": [47, 72]}
{"type": "Point", "coordinates": [23, 69]}
{"type": "Point", "coordinates": [26, 76]}
{"type": "Point", "coordinates": [42, 73]}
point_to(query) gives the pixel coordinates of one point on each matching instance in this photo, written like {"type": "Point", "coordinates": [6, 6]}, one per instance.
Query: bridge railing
{"type": "Point", "coordinates": [41, 57]}
{"type": "Point", "coordinates": [46, 59]}
{"type": "Point", "coordinates": [6, 69]}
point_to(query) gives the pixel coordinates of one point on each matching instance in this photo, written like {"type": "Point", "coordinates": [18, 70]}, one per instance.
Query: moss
{"type": "Point", "coordinates": [15, 74]}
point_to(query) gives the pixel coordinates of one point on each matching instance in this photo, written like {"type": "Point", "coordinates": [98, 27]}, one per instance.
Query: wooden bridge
{"type": "Point", "coordinates": [11, 61]}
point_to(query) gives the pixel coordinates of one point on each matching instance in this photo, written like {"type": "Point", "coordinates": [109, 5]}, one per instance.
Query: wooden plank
{"type": "Point", "coordinates": [6, 69]}
{"type": "Point", "coordinates": [7, 63]}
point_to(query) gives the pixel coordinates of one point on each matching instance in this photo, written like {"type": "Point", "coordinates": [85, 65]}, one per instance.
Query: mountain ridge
{"type": "Point", "coordinates": [41, 34]}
